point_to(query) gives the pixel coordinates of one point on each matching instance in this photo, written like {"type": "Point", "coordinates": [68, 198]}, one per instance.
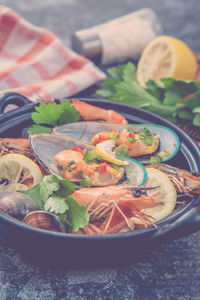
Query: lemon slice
{"type": "Point", "coordinates": [105, 150]}
{"type": "Point", "coordinates": [166, 56]}
{"type": "Point", "coordinates": [167, 195]}
{"type": "Point", "coordinates": [18, 172]}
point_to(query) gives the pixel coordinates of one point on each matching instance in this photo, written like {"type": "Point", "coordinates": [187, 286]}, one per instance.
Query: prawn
{"type": "Point", "coordinates": [15, 145]}
{"type": "Point", "coordinates": [185, 182]}
{"type": "Point", "coordinates": [113, 208]}
{"type": "Point", "coordinates": [90, 112]}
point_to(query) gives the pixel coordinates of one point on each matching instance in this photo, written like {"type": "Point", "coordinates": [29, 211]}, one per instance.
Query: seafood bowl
{"type": "Point", "coordinates": [76, 249]}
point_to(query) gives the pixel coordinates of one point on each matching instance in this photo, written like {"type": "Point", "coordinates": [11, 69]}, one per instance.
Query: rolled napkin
{"type": "Point", "coordinates": [35, 63]}
{"type": "Point", "coordinates": [120, 39]}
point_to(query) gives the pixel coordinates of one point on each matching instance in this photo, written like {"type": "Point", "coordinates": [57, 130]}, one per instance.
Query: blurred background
{"type": "Point", "coordinates": [179, 18]}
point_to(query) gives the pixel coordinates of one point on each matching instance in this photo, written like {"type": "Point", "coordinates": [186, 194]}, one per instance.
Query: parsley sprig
{"type": "Point", "coordinates": [54, 194]}
{"type": "Point", "coordinates": [169, 100]}
{"type": "Point", "coordinates": [47, 116]}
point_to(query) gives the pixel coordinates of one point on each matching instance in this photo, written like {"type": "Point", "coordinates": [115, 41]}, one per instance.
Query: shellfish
{"type": "Point", "coordinates": [160, 140]}
{"type": "Point", "coordinates": [17, 204]}
{"type": "Point", "coordinates": [46, 148]}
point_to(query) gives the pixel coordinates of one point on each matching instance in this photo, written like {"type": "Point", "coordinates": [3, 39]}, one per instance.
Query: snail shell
{"type": "Point", "coordinates": [16, 204]}
{"type": "Point", "coordinates": [45, 220]}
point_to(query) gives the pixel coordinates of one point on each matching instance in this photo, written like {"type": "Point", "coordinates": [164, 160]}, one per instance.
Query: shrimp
{"type": "Point", "coordinates": [15, 145]}
{"type": "Point", "coordinates": [72, 166]}
{"type": "Point", "coordinates": [186, 183]}
{"type": "Point", "coordinates": [111, 209]}
{"type": "Point", "coordinates": [134, 143]}
{"type": "Point", "coordinates": [90, 112]}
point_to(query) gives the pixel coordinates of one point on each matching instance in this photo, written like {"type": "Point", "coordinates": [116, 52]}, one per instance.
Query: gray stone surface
{"type": "Point", "coordinates": [173, 271]}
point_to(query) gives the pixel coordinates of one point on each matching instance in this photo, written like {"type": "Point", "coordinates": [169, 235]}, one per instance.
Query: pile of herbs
{"type": "Point", "coordinates": [176, 100]}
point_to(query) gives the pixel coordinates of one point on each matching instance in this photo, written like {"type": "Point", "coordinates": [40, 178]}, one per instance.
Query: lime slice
{"type": "Point", "coordinates": [18, 172]}
{"type": "Point", "coordinates": [105, 150]}
{"type": "Point", "coordinates": [168, 195]}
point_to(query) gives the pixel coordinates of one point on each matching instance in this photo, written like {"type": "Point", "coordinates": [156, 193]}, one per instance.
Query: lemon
{"type": "Point", "coordinates": [167, 195]}
{"type": "Point", "coordinates": [166, 56]}
{"type": "Point", "coordinates": [18, 172]}
{"type": "Point", "coordinates": [105, 150]}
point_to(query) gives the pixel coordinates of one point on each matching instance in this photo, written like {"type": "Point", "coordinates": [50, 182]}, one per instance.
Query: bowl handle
{"type": "Point", "coordinates": [12, 98]}
{"type": "Point", "coordinates": [183, 226]}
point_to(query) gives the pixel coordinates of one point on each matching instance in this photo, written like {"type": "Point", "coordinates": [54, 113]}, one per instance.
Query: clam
{"type": "Point", "coordinates": [47, 146]}
{"type": "Point", "coordinates": [45, 220]}
{"type": "Point", "coordinates": [166, 148]}
{"type": "Point", "coordinates": [16, 204]}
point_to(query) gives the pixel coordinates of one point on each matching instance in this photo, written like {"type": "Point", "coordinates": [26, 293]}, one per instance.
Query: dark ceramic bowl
{"type": "Point", "coordinates": [117, 248]}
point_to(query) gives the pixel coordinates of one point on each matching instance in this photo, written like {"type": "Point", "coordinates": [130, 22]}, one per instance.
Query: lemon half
{"type": "Point", "coordinates": [16, 170]}
{"type": "Point", "coordinates": [167, 196]}
{"type": "Point", "coordinates": [166, 56]}
{"type": "Point", "coordinates": [105, 150]}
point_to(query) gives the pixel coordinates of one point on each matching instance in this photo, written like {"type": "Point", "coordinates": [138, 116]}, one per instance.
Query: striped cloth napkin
{"type": "Point", "coordinates": [35, 63]}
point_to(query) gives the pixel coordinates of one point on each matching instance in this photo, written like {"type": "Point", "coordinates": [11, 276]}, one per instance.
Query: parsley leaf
{"type": "Point", "coordinates": [46, 116]}
{"type": "Point", "coordinates": [78, 216]}
{"type": "Point", "coordinates": [175, 100]}
{"type": "Point", "coordinates": [54, 194]}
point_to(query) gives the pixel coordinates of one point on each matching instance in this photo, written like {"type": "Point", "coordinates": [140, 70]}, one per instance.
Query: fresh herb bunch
{"type": "Point", "coordinates": [47, 116]}
{"type": "Point", "coordinates": [175, 100]}
{"type": "Point", "coordinates": [53, 194]}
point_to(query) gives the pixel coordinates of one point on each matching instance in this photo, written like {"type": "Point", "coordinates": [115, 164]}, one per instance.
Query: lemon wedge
{"type": "Point", "coordinates": [166, 56]}
{"type": "Point", "coordinates": [18, 172]}
{"type": "Point", "coordinates": [167, 195]}
{"type": "Point", "coordinates": [105, 150]}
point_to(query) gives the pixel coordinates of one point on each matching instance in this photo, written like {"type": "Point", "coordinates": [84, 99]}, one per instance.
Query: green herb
{"type": "Point", "coordinates": [85, 181]}
{"type": "Point", "coordinates": [131, 139]}
{"type": "Point", "coordinates": [50, 194]}
{"type": "Point", "coordinates": [156, 159]}
{"type": "Point", "coordinates": [160, 156]}
{"type": "Point", "coordinates": [90, 157]}
{"type": "Point", "coordinates": [166, 100]}
{"type": "Point", "coordinates": [47, 116]}
{"type": "Point", "coordinates": [149, 140]}
{"type": "Point", "coordinates": [122, 150]}
{"type": "Point", "coordinates": [72, 162]}
{"type": "Point", "coordinates": [111, 135]}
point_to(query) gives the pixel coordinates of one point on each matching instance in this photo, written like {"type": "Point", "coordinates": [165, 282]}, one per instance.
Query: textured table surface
{"type": "Point", "coordinates": [171, 272]}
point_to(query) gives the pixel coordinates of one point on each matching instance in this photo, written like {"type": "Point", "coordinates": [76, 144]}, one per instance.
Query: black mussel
{"type": "Point", "coordinates": [16, 204]}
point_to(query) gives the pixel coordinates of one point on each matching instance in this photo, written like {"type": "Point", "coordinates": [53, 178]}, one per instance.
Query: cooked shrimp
{"type": "Point", "coordinates": [90, 112]}
{"type": "Point", "coordinates": [15, 145]}
{"type": "Point", "coordinates": [186, 183]}
{"type": "Point", "coordinates": [111, 208]}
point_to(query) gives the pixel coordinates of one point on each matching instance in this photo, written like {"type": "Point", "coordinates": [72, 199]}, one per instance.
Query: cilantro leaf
{"type": "Point", "coordinates": [50, 194]}
{"type": "Point", "coordinates": [172, 99]}
{"type": "Point", "coordinates": [47, 113]}
{"type": "Point", "coordinates": [47, 116]}
{"type": "Point", "coordinates": [35, 129]}
{"type": "Point", "coordinates": [69, 113]}
{"type": "Point", "coordinates": [78, 216]}
{"type": "Point", "coordinates": [43, 190]}
{"type": "Point", "coordinates": [56, 204]}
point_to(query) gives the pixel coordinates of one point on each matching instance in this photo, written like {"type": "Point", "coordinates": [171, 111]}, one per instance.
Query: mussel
{"type": "Point", "coordinates": [16, 204]}
{"type": "Point", "coordinates": [45, 220]}
{"type": "Point", "coordinates": [166, 148]}
{"type": "Point", "coordinates": [46, 147]}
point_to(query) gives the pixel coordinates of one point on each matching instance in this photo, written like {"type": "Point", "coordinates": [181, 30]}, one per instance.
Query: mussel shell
{"type": "Point", "coordinates": [45, 220]}
{"type": "Point", "coordinates": [16, 204]}
{"type": "Point", "coordinates": [46, 146]}
{"type": "Point", "coordinates": [86, 130]}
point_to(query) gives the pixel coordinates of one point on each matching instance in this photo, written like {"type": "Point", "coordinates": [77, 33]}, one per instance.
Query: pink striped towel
{"type": "Point", "coordinates": [34, 62]}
